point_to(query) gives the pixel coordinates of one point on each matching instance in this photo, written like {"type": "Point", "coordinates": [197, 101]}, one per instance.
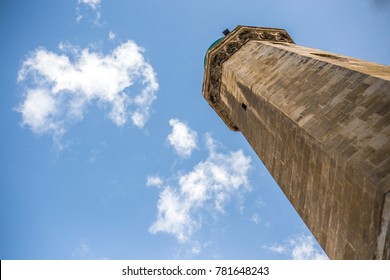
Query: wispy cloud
{"type": "Point", "coordinates": [84, 5]}
{"type": "Point", "coordinates": [182, 138]}
{"type": "Point", "coordinates": [84, 252]}
{"type": "Point", "coordinates": [94, 4]}
{"type": "Point", "coordinates": [207, 187]}
{"type": "Point", "coordinates": [111, 35]}
{"type": "Point", "coordinates": [299, 247]}
{"type": "Point", "coordinates": [155, 181]}
{"type": "Point", "coordinates": [60, 86]}
{"type": "Point", "coordinates": [256, 218]}
{"type": "Point", "coordinates": [277, 249]}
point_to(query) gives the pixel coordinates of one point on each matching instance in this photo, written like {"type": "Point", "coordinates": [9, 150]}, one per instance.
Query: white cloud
{"type": "Point", "coordinates": [37, 109]}
{"type": "Point", "coordinates": [299, 247]}
{"type": "Point", "coordinates": [156, 181]}
{"type": "Point", "coordinates": [94, 5]}
{"type": "Point", "coordinates": [277, 249]}
{"type": "Point", "coordinates": [93, 155]}
{"type": "Point", "coordinates": [196, 249]}
{"type": "Point", "coordinates": [303, 248]}
{"type": "Point", "coordinates": [111, 35]}
{"type": "Point", "coordinates": [59, 87]}
{"type": "Point", "coordinates": [84, 252]}
{"type": "Point", "coordinates": [208, 185]}
{"type": "Point", "coordinates": [255, 218]}
{"type": "Point", "coordinates": [182, 138]}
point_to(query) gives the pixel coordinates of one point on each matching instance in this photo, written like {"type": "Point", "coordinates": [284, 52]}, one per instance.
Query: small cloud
{"type": "Point", "coordinates": [277, 249]}
{"type": "Point", "coordinates": [93, 155]}
{"type": "Point", "coordinates": [255, 218]}
{"type": "Point", "coordinates": [82, 252]}
{"type": "Point", "coordinates": [82, 10]}
{"type": "Point", "coordinates": [196, 248]}
{"type": "Point", "coordinates": [210, 143]}
{"type": "Point", "coordinates": [207, 187]}
{"type": "Point", "coordinates": [259, 203]}
{"type": "Point", "coordinates": [190, 250]}
{"type": "Point", "coordinates": [111, 35]}
{"type": "Point", "coordinates": [79, 17]}
{"type": "Point", "coordinates": [154, 181]}
{"type": "Point", "coordinates": [299, 247]}
{"type": "Point", "coordinates": [303, 248]}
{"type": "Point", "coordinates": [182, 138]}
{"type": "Point", "coordinates": [94, 4]}
{"type": "Point", "coordinates": [60, 86]}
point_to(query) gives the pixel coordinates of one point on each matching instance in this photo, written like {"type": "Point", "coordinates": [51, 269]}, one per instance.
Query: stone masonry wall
{"type": "Point", "coordinates": [322, 129]}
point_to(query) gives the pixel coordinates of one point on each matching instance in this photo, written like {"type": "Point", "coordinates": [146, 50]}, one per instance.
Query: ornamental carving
{"type": "Point", "coordinates": [225, 49]}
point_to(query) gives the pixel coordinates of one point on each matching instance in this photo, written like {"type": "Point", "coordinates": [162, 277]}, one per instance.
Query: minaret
{"type": "Point", "coordinates": [320, 123]}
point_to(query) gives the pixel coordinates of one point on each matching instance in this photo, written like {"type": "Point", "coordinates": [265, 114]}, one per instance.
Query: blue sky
{"type": "Point", "coordinates": [108, 149]}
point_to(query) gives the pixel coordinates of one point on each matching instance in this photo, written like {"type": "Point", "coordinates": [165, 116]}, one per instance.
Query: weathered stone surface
{"type": "Point", "coordinates": [320, 123]}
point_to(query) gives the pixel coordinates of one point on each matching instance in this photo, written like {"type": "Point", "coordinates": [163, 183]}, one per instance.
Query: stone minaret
{"type": "Point", "coordinates": [320, 123]}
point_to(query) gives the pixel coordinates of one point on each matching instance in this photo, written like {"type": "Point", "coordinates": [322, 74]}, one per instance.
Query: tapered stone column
{"type": "Point", "coordinates": [320, 123]}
